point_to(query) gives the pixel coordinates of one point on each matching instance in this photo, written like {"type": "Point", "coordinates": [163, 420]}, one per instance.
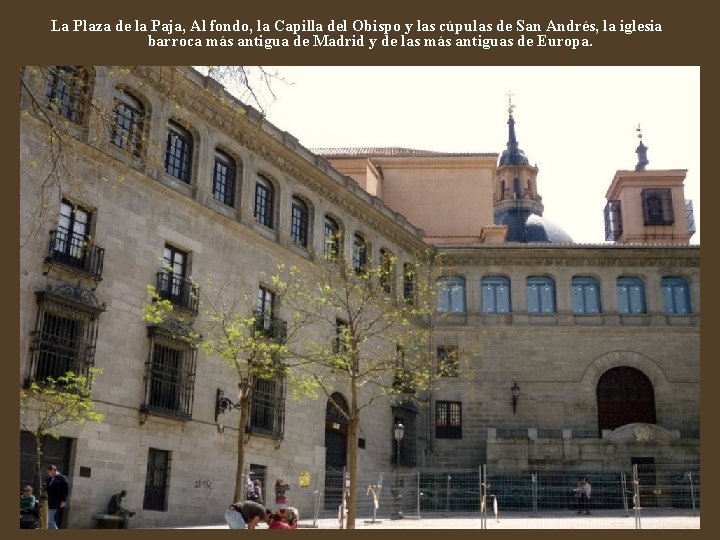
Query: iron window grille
{"type": "Point", "coordinates": [631, 295]}
{"type": "Point", "coordinates": [613, 221]}
{"type": "Point", "coordinates": [690, 214]}
{"type": "Point", "coordinates": [224, 174]}
{"type": "Point", "coordinates": [299, 221]}
{"type": "Point", "coordinates": [448, 420]}
{"type": "Point", "coordinates": [448, 361]}
{"type": "Point", "coordinates": [540, 295]}
{"type": "Point", "coordinates": [178, 152]}
{"type": "Point", "coordinates": [267, 408]}
{"type": "Point", "coordinates": [65, 332]}
{"type": "Point", "coordinates": [585, 295]}
{"type": "Point", "coordinates": [450, 292]}
{"type": "Point", "coordinates": [170, 372]}
{"type": "Point", "coordinates": [495, 292]}
{"type": "Point", "coordinates": [265, 321]}
{"type": "Point", "coordinates": [332, 239]}
{"type": "Point", "coordinates": [676, 296]}
{"type": "Point", "coordinates": [129, 126]}
{"type": "Point", "coordinates": [67, 91]}
{"type": "Point", "coordinates": [70, 244]}
{"type": "Point", "coordinates": [657, 206]}
{"type": "Point", "coordinates": [157, 479]}
{"type": "Point", "coordinates": [264, 202]}
{"type": "Point", "coordinates": [360, 254]}
{"type": "Point", "coordinates": [172, 283]}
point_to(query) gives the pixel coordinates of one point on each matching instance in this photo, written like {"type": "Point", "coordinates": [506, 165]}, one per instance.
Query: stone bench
{"type": "Point", "coordinates": [110, 521]}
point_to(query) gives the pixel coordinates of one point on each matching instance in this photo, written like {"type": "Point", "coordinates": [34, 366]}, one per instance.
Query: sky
{"type": "Point", "coordinates": [577, 124]}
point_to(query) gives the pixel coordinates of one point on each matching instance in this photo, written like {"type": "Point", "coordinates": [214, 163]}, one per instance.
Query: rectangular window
{"type": "Point", "coordinates": [157, 479]}
{"type": "Point", "coordinates": [299, 223]}
{"type": "Point", "coordinates": [172, 281]}
{"type": "Point", "coordinates": [631, 295]}
{"type": "Point", "coordinates": [409, 283]}
{"type": "Point", "coordinates": [178, 152]}
{"type": "Point", "coordinates": [72, 235]}
{"type": "Point", "coordinates": [495, 292]}
{"type": "Point", "coordinates": [676, 296]}
{"type": "Point", "coordinates": [585, 295]}
{"type": "Point", "coordinates": [224, 179]}
{"type": "Point", "coordinates": [448, 420]}
{"type": "Point", "coordinates": [360, 254]}
{"type": "Point", "coordinates": [264, 203]}
{"type": "Point", "coordinates": [540, 295]}
{"type": "Point", "coordinates": [331, 239]}
{"type": "Point", "coordinates": [341, 329]}
{"type": "Point", "coordinates": [448, 361]}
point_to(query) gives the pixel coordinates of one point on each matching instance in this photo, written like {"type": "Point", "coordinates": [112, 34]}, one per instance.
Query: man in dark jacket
{"type": "Point", "coordinates": [57, 489]}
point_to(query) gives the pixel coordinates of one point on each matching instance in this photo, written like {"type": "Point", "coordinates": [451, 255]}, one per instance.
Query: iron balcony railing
{"type": "Point", "coordinates": [182, 292]}
{"type": "Point", "coordinates": [73, 251]}
{"type": "Point", "coordinates": [270, 327]}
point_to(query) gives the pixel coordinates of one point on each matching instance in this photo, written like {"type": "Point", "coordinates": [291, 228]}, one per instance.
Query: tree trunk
{"type": "Point", "coordinates": [352, 457]}
{"type": "Point", "coordinates": [240, 484]}
{"type": "Point", "coordinates": [43, 512]}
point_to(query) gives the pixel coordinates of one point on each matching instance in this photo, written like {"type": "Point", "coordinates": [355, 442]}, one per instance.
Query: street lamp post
{"type": "Point", "coordinates": [398, 433]}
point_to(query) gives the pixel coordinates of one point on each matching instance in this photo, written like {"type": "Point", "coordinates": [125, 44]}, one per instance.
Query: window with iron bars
{"type": "Point", "coordinates": [448, 420]}
{"type": "Point", "coordinates": [224, 178]}
{"type": "Point", "coordinates": [169, 375]}
{"type": "Point", "coordinates": [409, 283]}
{"type": "Point", "coordinates": [267, 409]}
{"type": "Point", "coordinates": [65, 333]}
{"type": "Point", "coordinates": [360, 254]}
{"type": "Point", "coordinates": [157, 479]}
{"type": "Point", "coordinates": [67, 91]}
{"type": "Point", "coordinates": [299, 222]}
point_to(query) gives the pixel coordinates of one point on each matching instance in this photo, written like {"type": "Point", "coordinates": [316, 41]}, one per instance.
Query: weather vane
{"type": "Point", "coordinates": [639, 131]}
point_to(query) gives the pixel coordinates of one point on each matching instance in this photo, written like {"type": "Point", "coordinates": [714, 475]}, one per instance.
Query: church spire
{"type": "Point", "coordinates": [512, 154]}
{"type": "Point", "coordinates": [641, 151]}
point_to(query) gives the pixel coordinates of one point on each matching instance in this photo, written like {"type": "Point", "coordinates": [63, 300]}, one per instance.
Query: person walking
{"type": "Point", "coordinates": [585, 493]}
{"type": "Point", "coordinates": [57, 488]}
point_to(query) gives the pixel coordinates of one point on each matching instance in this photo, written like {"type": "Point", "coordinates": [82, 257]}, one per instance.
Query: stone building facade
{"type": "Point", "coordinates": [162, 168]}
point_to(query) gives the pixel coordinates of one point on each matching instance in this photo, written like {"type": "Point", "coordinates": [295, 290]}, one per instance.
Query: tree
{"type": "Point", "coordinates": [251, 342]}
{"type": "Point", "coordinates": [47, 406]}
{"type": "Point", "coordinates": [367, 339]}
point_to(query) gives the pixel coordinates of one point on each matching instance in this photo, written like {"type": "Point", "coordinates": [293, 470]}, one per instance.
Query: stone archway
{"type": "Point", "coordinates": [625, 395]}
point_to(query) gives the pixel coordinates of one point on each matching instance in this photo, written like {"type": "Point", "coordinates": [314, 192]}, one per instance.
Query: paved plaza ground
{"type": "Point", "coordinates": [649, 519]}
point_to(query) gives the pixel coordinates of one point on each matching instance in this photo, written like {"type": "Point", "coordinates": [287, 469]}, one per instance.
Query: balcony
{"type": "Point", "coordinates": [182, 292]}
{"type": "Point", "coordinates": [76, 253]}
{"type": "Point", "coordinates": [270, 327]}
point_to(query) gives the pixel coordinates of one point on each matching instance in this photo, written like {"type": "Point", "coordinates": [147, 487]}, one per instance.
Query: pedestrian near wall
{"type": "Point", "coordinates": [57, 488]}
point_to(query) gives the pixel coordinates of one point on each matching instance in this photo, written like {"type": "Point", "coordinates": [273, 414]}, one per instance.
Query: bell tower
{"type": "Point", "coordinates": [648, 206]}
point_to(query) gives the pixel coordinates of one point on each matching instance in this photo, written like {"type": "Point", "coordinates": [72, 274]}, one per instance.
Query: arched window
{"type": "Point", "coordinates": [676, 295]}
{"type": "Point", "coordinates": [224, 178]}
{"type": "Point", "coordinates": [332, 239]}
{"type": "Point", "coordinates": [624, 395]}
{"type": "Point", "coordinates": [67, 91]}
{"type": "Point", "coordinates": [631, 295]}
{"type": "Point", "coordinates": [540, 294]}
{"type": "Point", "coordinates": [585, 295]}
{"type": "Point", "coordinates": [264, 202]}
{"type": "Point", "coordinates": [495, 291]}
{"type": "Point", "coordinates": [451, 294]}
{"type": "Point", "coordinates": [178, 152]}
{"type": "Point", "coordinates": [360, 254]}
{"type": "Point", "coordinates": [129, 126]}
{"type": "Point", "coordinates": [299, 220]}
{"type": "Point", "coordinates": [409, 278]}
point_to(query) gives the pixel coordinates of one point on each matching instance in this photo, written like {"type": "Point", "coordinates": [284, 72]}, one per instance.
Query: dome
{"type": "Point", "coordinates": [514, 156]}
{"type": "Point", "coordinates": [525, 226]}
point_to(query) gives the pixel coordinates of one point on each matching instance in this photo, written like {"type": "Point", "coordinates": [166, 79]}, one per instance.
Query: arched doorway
{"type": "Point", "coordinates": [624, 395]}
{"type": "Point", "coordinates": [336, 430]}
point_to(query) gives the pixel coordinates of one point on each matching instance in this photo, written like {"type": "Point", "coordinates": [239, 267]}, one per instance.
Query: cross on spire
{"type": "Point", "coordinates": [511, 107]}
{"type": "Point", "coordinates": [639, 131]}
